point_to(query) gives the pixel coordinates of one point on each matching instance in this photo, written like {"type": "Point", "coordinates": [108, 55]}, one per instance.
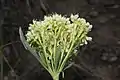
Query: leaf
{"type": "Point", "coordinates": [26, 45]}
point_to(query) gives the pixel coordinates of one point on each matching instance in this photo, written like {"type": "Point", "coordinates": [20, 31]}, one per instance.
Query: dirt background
{"type": "Point", "coordinates": [99, 60]}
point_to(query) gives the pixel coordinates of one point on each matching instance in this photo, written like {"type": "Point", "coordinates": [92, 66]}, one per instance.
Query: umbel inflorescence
{"type": "Point", "coordinates": [55, 40]}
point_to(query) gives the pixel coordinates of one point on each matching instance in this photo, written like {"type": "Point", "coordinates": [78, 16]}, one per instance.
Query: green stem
{"type": "Point", "coordinates": [56, 76]}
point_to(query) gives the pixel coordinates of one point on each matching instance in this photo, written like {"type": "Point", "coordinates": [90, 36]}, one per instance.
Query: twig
{"type": "Point", "coordinates": [85, 70]}
{"type": "Point", "coordinates": [1, 42]}
{"type": "Point", "coordinates": [5, 45]}
{"type": "Point", "coordinates": [1, 65]}
{"type": "Point", "coordinates": [43, 7]}
{"type": "Point", "coordinates": [33, 68]}
{"type": "Point", "coordinates": [9, 65]}
{"type": "Point", "coordinates": [3, 57]}
{"type": "Point", "coordinates": [81, 68]}
{"type": "Point", "coordinates": [29, 8]}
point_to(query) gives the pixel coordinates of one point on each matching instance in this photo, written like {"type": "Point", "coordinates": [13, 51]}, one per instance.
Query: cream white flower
{"type": "Point", "coordinates": [90, 27]}
{"type": "Point", "coordinates": [74, 17]}
{"type": "Point", "coordinates": [89, 38]}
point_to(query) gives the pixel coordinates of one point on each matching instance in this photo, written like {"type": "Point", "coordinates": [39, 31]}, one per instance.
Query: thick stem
{"type": "Point", "coordinates": [55, 77]}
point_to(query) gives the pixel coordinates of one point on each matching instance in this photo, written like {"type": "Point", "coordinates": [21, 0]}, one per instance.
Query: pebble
{"type": "Point", "coordinates": [116, 6]}
{"type": "Point", "coordinates": [118, 42]}
{"type": "Point", "coordinates": [109, 66]}
{"type": "Point", "coordinates": [114, 58]}
{"type": "Point", "coordinates": [93, 13]}
{"type": "Point", "coordinates": [112, 16]}
{"type": "Point", "coordinates": [109, 57]}
{"type": "Point", "coordinates": [6, 78]}
{"type": "Point", "coordinates": [104, 56]}
{"type": "Point", "coordinates": [103, 19]}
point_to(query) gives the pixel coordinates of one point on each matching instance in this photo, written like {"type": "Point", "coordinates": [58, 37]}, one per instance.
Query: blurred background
{"type": "Point", "coordinates": [99, 60]}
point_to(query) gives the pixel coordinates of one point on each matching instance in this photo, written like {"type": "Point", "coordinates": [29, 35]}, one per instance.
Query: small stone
{"type": "Point", "coordinates": [118, 42]}
{"type": "Point", "coordinates": [107, 2]}
{"type": "Point", "coordinates": [6, 78]}
{"type": "Point", "coordinates": [103, 19]}
{"type": "Point", "coordinates": [118, 66]}
{"type": "Point", "coordinates": [116, 6]}
{"type": "Point", "coordinates": [93, 14]}
{"type": "Point", "coordinates": [104, 56]}
{"type": "Point", "coordinates": [112, 16]}
{"type": "Point", "coordinates": [112, 59]}
{"type": "Point", "coordinates": [109, 66]}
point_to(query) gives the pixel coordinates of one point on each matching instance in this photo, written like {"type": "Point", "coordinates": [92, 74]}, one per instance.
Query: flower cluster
{"type": "Point", "coordinates": [55, 39]}
{"type": "Point", "coordinates": [72, 27]}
